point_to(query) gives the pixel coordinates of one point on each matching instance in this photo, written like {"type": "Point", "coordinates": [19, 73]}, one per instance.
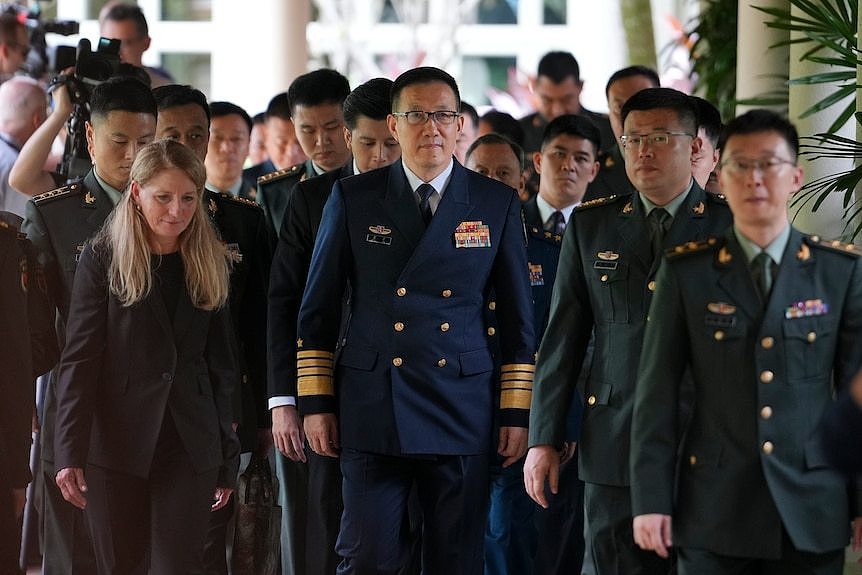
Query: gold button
{"type": "Point", "coordinates": [604, 277]}
{"type": "Point", "coordinates": [651, 285]}
{"type": "Point", "coordinates": [397, 361]}
{"type": "Point", "coordinates": [441, 363]}
{"type": "Point", "coordinates": [401, 292]}
{"type": "Point", "coordinates": [447, 293]}
{"type": "Point", "coordinates": [811, 337]}
{"type": "Point", "coordinates": [591, 400]}
{"type": "Point", "coordinates": [718, 335]}
{"type": "Point", "coordinates": [766, 376]}
{"type": "Point", "coordinates": [767, 342]}
{"type": "Point", "coordinates": [692, 460]}
{"type": "Point", "coordinates": [399, 326]}
{"type": "Point", "coordinates": [768, 447]}
{"type": "Point", "coordinates": [766, 412]}
{"type": "Point", "coordinates": [444, 326]}
{"type": "Point", "coordinates": [491, 331]}
{"type": "Point", "coordinates": [492, 305]}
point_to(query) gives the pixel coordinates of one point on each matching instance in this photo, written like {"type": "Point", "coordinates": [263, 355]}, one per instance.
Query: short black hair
{"type": "Point", "coordinates": [664, 99]}
{"type": "Point", "coordinates": [630, 72]}
{"type": "Point", "coordinates": [323, 86]}
{"type": "Point", "coordinates": [708, 119]}
{"type": "Point", "coordinates": [122, 94]}
{"type": "Point", "coordinates": [494, 139]}
{"type": "Point", "coordinates": [258, 118]}
{"type": "Point", "coordinates": [173, 95]}
{"type": "Point", "coordinates": [573, 125]}
{"type": "Point", "coordinates": [219, 109]}
{"type": "Point", "coordinates": [557, 66]}
{"type": "Point", "coordinates": [468, 109]}
{"type": "Point", "coordinates": [757, 121]}
{"type": "Point", "coordinates": [423, 75]}
{"type": "Point", "coordinates": [133, 12]}
{"type": "Point", "coordinates": [278, 107]}
{"type": "Point", "coordinates": [370, 99]}
{"type": "Point", "coordinates": [504, 124]}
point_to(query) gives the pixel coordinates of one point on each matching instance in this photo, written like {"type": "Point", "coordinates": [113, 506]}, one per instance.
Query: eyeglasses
{"type": "Point", "coordinates": [766, 167]}
{"type": "Point", "coordinates": [418, 117]}
{"type": "Point", "coordinates": [654, 139]}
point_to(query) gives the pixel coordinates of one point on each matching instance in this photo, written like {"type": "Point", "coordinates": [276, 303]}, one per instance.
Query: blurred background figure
{"type": "Point", "coordinates": [23, 108]}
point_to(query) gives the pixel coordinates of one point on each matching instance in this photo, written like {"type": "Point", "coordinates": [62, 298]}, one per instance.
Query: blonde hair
{"type": "Point", "coordinates": [130, 274]}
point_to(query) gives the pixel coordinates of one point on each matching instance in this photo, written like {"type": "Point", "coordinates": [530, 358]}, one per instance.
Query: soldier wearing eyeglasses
{"type": "Point", "coordinates": [404, 396]}
{"type": "Point", "coordinates": [768, 321]}
{"type": "Point", "coordinates": [605, 283]}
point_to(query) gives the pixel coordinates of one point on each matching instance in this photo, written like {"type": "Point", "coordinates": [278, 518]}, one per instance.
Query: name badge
{"type": "Point", "coordinates": [378, 239]}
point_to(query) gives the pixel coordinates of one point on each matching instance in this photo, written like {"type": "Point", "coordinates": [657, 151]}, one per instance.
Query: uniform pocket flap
{"type": "Point", "coordinates": [808, 329]}
{"type": "Point", "coordinates": [473, 362]}
{"type": "Point", "coordinates": [815, 457]}
{"type": "Point", "coordinates": [358, 358]}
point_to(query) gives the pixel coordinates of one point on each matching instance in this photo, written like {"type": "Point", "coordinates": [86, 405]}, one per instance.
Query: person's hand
{"type": "Point", "coordinates": [60, 95]}
{"type": "Point", "coordinates": [221, 497]}
{"type": "Point", "coordinates": [543, 462]}
{"type": "Point", "coordinates": [653, 533]}
{"type": "Point", "coordinates": [513, 444]}
{"type": "Point", "coordinates": [71, 482]}
{"type": "Point", "coordinates": [19, 499]}
{"type": "Point", "coordinates": [857, 536]}
{"type": "Point", "coordinates": [568, 451]}
{"type": "Point", "coordinates": [321, 429]}
{"type": "Point", "coordinates": [287, 433]}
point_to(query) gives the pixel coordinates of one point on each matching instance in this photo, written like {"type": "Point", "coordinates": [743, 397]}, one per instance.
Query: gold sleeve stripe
{"type": "Point", "coordinates": [314, 353]}
{"type": "Point", "coordinates": [516, 385]}
{"type": "Point", "coordinates": [306, 371]}
{"type": "Point", "coordinates": [520, 376]}
{"type": "Point", "coordinates": [507, 367]}
{"type": "Point", "coordinates": [315, 362]}
{"type": "Point", "coordinates": [515, 399]}
{"type": "Point", "coordinates": [315, 385]}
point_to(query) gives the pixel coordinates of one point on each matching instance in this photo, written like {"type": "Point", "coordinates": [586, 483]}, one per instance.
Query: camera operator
{"type": "Point", "coordinates": [126, 23]}
{"type": "Point", "coordinates": [14, 45]}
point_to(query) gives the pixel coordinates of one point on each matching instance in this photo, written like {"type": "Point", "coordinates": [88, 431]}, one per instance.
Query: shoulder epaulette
{"type": "Point", "coordinates": [279, 174]}
{"type": "Point", "coordinates": [57, 193]}
{"type": "Point", "coordinates": [834, 245]}
{"type": "Point", "coordinates": [692, 247]}
{"type": "Point", "coordinates": [598, 202]}
{"type": "Point", "coordinates": [239, 200]}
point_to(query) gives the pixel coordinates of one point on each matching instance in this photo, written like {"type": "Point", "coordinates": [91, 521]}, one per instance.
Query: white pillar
{"type": "Point", "coordinates": [256, 53]}
{"type": "Point", "coordinates": [759, 68]}
{"type": "Point", "coordinates": [827, 221]}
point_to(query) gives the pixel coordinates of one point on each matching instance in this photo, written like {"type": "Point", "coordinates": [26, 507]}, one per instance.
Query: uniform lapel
{"type": "Point", "coordinates": [734, 278]}
{"type": "Point", "coordinates": [99, 202]}
{"type": "Point", "coordinates": [632, 228]}
{"type": "Point", "coordinates": [688, 223]}
{"type": "Point", "coordinates": [794, 281]}
{"type": "Point", "coordinates": [401, 205]}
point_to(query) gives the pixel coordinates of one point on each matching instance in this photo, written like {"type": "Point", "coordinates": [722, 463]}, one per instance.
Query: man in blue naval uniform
{"type": "Point", "coordinates": [421, 243]}
{"type": "Point", "coordinates": [605, 282]}
{"type": "Point", "coordinates": [768, 321]}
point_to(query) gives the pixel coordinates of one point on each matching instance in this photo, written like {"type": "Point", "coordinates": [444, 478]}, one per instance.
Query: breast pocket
{"type": "Point", "coordinates": [612, 286]}
{"type": "Point", "coordinates": [808, 342]}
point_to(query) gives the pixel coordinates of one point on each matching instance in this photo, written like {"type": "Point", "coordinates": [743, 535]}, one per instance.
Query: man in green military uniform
{"type": "Point", "coordinates": [768, 321]}
{"type": "Point", "coordinates": [315, 101]}
{"type": "Point", "coordinates": [605, 282]}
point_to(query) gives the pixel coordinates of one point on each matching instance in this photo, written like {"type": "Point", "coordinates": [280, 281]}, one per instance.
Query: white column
{"type": "Point", "coordinates": [759, 68]}
{"type": "Point", "coordinates": [256, 53]}
{"type": "Point", "coordinates": [827, 220]}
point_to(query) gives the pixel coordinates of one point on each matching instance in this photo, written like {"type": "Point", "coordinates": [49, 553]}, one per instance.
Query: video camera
{"type": "Point", "coordinates": [31, 17]}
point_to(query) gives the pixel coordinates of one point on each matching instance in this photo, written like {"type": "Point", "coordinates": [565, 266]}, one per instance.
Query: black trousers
{"type": "Point", "coordinates": [10, 532]}
{"type": "Point", "coordinates": [792, 562]}
{"type": "Point", "coordinates": [156, 524]}
{"type": "Point", "coordinates": [376, 533]}
{"type": "Point", "coordinates": [66, 545]}
{"type": "Point", "coordinates": [611, 539]}
{"type": "Point", "coordinates": [561, 544]}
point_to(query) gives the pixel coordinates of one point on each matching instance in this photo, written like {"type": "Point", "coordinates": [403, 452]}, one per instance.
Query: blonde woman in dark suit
{"type": "Point", "coordinates": [144, 441]}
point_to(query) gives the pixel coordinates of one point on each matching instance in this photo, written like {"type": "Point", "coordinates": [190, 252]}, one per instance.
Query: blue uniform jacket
{"type": "Point", "coordinates": [414, 374]}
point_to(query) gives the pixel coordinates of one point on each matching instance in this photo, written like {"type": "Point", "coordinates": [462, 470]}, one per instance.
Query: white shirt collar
{"type": "Point", "coordinates": [546, 210]}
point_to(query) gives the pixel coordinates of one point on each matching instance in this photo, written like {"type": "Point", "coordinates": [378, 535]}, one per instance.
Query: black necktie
{"type": "Point", "coordinates": [761, 273]}
{"type": "Point", "coordinates": [425, 191]}
{"type": "Point", "coordinates": [659, 222]}
{"type": "Point", "coordinates": [556, 223]}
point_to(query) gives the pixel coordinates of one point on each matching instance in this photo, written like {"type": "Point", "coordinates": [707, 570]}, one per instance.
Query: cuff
{"type": "Point", "coordinates": [281, 400]}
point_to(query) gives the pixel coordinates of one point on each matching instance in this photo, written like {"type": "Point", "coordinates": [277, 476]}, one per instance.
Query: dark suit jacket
{"type": "Point", "coordinates": [534, 126]}
{"type": "Point", "coordinates": [842, 430]}
{"type": "Point", "coordinates": [16, 380]}
{"type": "Point", "coordinates": [123, 368]}
{"type": "Point", "coordinates": [289, 273]}
{"type": "Point", "coordinates": [751, 464]}
{"type": "Point", "coordinates": [242, 226]}
{"type": "Point", "coordinates": [59, 223]}
{"type": "Point", "coordinates": [414, 374]}
{"type": "Point", "coordinates": [612, 178]}
{"type": "Point", "coordinates": [252, 173]}
{"type": "Point", "coordinates": [605, 285]}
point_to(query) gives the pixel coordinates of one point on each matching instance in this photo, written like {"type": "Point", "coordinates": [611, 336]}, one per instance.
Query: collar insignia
{"type": "Point", "coordinates": [698, 209]}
